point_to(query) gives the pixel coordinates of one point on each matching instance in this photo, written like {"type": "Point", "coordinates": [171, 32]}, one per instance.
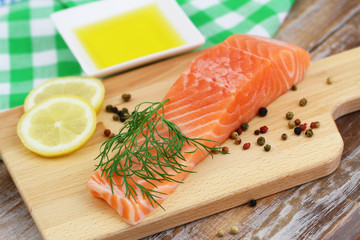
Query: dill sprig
{"type": "Point", "coordinates": [148, 147]}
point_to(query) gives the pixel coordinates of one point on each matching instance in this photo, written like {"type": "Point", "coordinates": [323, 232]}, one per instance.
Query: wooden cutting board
{"type": "Point", "coordinates": [54, 189]}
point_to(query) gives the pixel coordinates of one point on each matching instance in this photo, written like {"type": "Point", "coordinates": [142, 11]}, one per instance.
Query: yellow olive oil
{"type": "Point", "coordinates": [128, 36]}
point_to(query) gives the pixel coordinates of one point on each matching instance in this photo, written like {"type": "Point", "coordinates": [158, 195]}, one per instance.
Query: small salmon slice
{"type": "Point", "coordinates": [222, 88]}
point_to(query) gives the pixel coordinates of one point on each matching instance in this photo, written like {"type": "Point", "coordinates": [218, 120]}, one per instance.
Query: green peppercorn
{"type": "Point", "coordinates": [220, 233]}
{"type": "Point", "coordinates": [125, 110]}
{"type": "Point", "coordinates": [234, 229]}
{"type": "Point", "coordinates": [291, 124]}
{"type": "Point", "coordinates": [267, 147]}
{"type": "Point", "coordinates": [261, 141]}
{"type": "Point", "coordinates": [244, 126]}
{"type": "Point", "coordinates": [303, 102]}
{"type": "Point", "coordinates": [116, 117]}
{"type": "Point", "coordinates": [309, 132]}
{"type": "Point", "coordinates": [329, 80]}
{"type": "Point", "coordinates": [317, 124]}
{"type": "Point", "coordinates": [126, 97]}
{"type": "Point", "coordinates": [284, 136]}
{"type": "Point", "coordinates": [294, 87]}
{"type": "Point", "coordinates": [234, 135]}
{"type": "Point", "coordinates": [109, 108]}
{"type": "Point", "coordinates": [289, 115]}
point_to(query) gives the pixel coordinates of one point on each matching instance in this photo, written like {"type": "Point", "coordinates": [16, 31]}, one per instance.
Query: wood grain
{"type": "Point", "coordinates": [65, 209]}
{"type": "Point", "coordinates": [263, 219]}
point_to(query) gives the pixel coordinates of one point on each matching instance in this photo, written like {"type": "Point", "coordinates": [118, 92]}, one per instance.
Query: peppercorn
{"type": "Point", "coordinates": [309, 133]}
{"type": "Point", "coordinates": [303, 126]}
{"type": "Point", "coordinates": [312, 125]}
{"type": "Point", "coordinates": [317, 124]}
{"type": "Point", "coordinates": [239, 131]}
{"type": "Point", "coordinates": [303, 102]}
{"type": "Point", "coordinates": [120, 113]}
{"type": "Point", "coordinates": [234, 135]}
{"type": "Point", "coordinates": [237, 141]}
{"type": "Point", "coordinates": [125, 110]}
{"type": "Point", "coordinates": [234, 229]}
{"type": "Point", "coordinates": [267, 147]}
{"type": "Point", "coordinates": [329, 80]}
{"type": "Point", "coordinates": [284, 136]}
{"type": "Point", "coordinates": [214, 151]}
{"type": "Point", "coordinates": [297, 130]}
{"type": "Point", "coordinates": [112, 135]}
{"type": "Point", "coordinates": [122, 119]}
{"type": "Point", "coordinates": [126, 97]}
{"type": "Point", "coordinates": [294, 87]}
{"type": "Point", "coordinates": [221, 233]}
{"type": "Point", "coordinates": [260, 141]}
{"type": "Point", "coordinates": [244, 126]}
{"type": "Point", "coordinates": [246, 146]}
{"type": "Point", "coordinates": [297, 122]}
{"type": "Point", "coordinates": [126, 115]}
{"type": "Point", "coordinates": [114, 109]}
{"type": "Point", "coordinates": [109, 108]}
{"type": "Point", "coordinates": [257, 132]}
{"type": "Point", "coordinates": [291, 124]}
{"type": "Point", "coordinates": [107, 132]}
{"type": "Point", "coordinates": [264, 129]}
{"type": "Point", "coordinates": [263, 111]}
{"type": "Point", "coordinates": [253, 203]}
{"type": "Point", "coordinates": [225, 149]}
{"type": "Point", "coordinates": [116, 117]}
{"type": "Point", "coordinates": [289, 115]}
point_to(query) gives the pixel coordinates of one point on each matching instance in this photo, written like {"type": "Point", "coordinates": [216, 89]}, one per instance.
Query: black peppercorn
{"type": "Point", "coordinates": [114, 109]}
{"type": "Point", "coordinates": [257, 132]}
{"type": "Point", "coordinates": [297, 130]}
{"type": "Point", "coordinates": [253, 203]}
{"type": "Point", "coordinates": [120, 113]}
{"type": "Point", "coordinates": [263, 111]}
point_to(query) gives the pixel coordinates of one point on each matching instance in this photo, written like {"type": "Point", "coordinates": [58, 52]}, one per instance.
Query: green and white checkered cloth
{"type": "Point", "coordinates": [31, 50]}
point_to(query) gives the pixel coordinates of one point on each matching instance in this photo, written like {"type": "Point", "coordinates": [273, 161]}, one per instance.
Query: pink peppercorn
{"type": "Point", "coordinates": [303, 126]}
{"type": "Point", "coordinates": [246, 146]}
{"type": "Point", "coordinates": [264, 129]}
{"type": "Point", "coordinates": [312, 125]}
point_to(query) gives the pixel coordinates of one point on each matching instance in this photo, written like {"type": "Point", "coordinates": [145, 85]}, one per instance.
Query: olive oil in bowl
{"type": "Point", "coordinates": [128, 36]}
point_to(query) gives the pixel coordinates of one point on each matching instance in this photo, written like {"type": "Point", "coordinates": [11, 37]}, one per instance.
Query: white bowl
{"type": "Point", "coordinates": [69, 19]}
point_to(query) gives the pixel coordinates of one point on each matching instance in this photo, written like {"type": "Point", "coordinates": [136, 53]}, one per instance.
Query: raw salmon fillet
{"type": "Point", "coordinates": [221, 89]}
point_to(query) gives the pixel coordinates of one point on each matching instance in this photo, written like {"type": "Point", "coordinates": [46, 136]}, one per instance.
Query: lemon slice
{"type": "Point", "coordinates": [57, 125]}
{"type": "Point", "coordinates": [91, 89]}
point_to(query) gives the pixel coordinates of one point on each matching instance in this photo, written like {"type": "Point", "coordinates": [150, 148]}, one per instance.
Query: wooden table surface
{"type": "Point", "coordinates": [327, 208]}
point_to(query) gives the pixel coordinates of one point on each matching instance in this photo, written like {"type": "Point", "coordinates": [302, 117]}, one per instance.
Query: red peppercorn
{"type": "Point", "coordinates": [297, 122]}
{"type": "Point", "coordinates": [264, 129]}
{"type": "Point", "coordinates": [107, 132]}
{"type": "Point", "coordinates": [312, 125]}
{"type": "Point", "coordinates": [225, 150]}
{"type": "Point", "coordinates": [246, 146]}
{"type": "Point", "coordinates": [303, 126]}
{"type": "Point", "coordinates": [239, 131]}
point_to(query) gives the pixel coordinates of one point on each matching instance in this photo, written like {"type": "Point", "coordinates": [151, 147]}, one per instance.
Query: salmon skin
{"type": "Point", "coordinates": [221, 89]}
